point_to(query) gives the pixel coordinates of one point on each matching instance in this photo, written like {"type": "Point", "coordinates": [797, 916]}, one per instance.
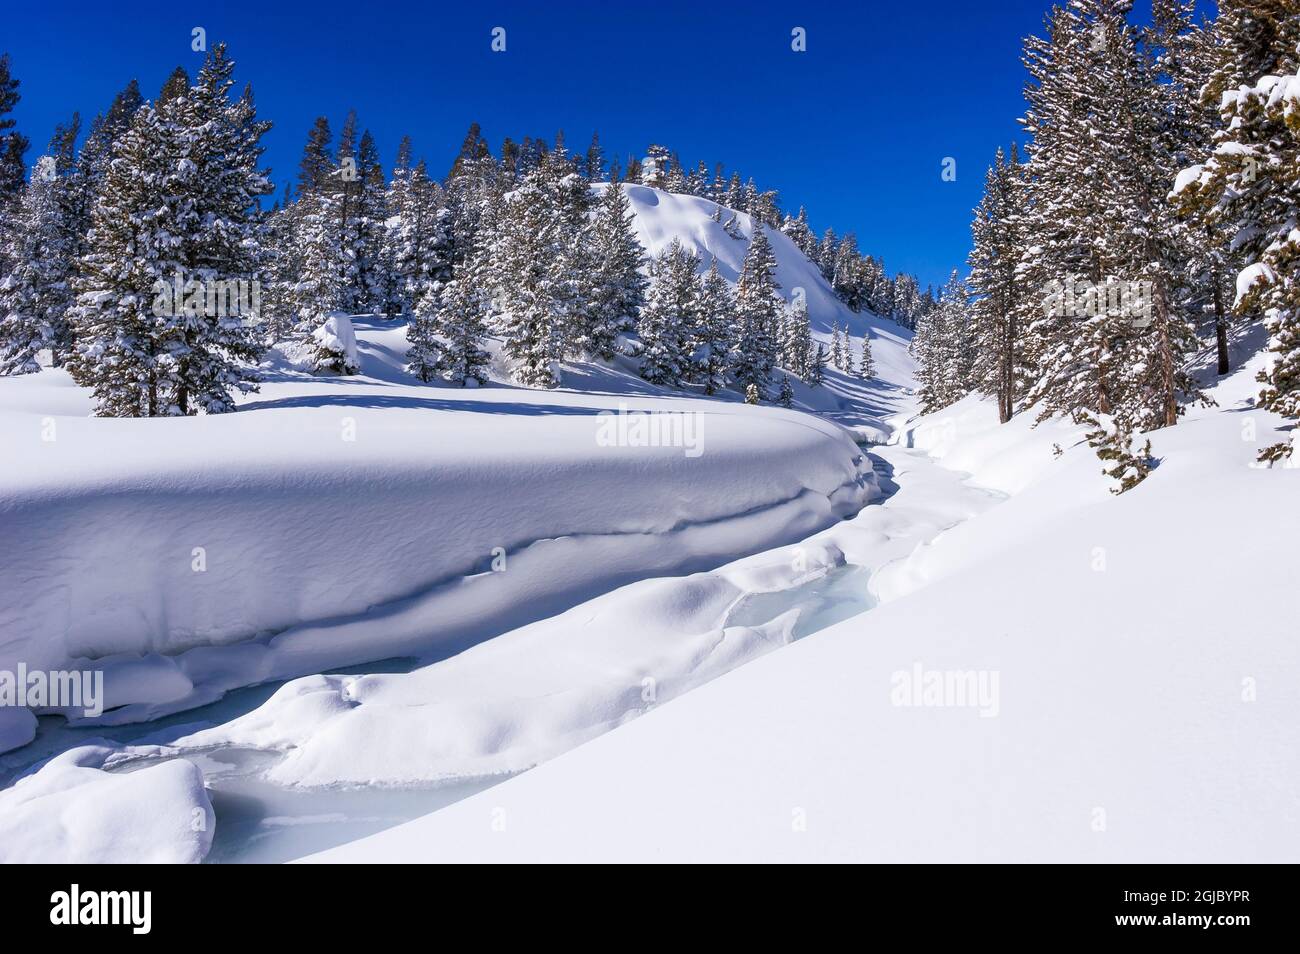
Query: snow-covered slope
{"type": "Point", "coordinates": [1134, 656]}
{"type": "Point", "coordinates": [336, 520]}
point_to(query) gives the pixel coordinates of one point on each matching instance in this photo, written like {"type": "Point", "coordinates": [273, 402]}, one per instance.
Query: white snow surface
{"type": "Point", "coordinates": [1145, 659]}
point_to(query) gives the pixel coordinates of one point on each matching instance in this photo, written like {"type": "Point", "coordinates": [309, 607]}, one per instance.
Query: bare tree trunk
{"type": "Point", "coordinates": [1220, 322]}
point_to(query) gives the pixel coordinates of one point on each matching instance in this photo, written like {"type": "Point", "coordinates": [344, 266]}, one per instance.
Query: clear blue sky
{"type": "Point", "coordinates": [856, 128]}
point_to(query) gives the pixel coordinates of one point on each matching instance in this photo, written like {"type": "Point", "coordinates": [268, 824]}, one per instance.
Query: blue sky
{"type": "Point", "coordinates": [856, 128]}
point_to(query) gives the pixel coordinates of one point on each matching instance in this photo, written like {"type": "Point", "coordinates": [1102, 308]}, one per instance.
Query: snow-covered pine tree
{"type": "Point", "coordinates": [617, 283]}
{"type": "Point", "coordinates": [837, 351]}
{"type": "Point", "coordinates": [757, 314]}
{"type": "Point", "coordinates": [785, 397]}
{"type": "Point", "coordinates": [421, 238]}
{"type": "Point", "coordinates": [655, 169]}
{"type": "Point", "coordinates": [343, 188]}
{"type": "Point", "coordinates": [121, 352]}
{"type": "Point", "coordinates": [373, 280]}
{"type": "Point", "coordinates": [36, 293]}
{"type": "Point", "coordinates": [845, 272]}
{"type": "Point", "coordinates": [712, 342]}
{"type": "Point", "coordinates": [671, 317]}
{"type": "Point", "coordinates": [816, 374]}
{"type": "Point", "coordinates": [185, 163]}
{"type": "Point", "coordinates": [222, 237]}
{"type": "Point", "coordinates": [827, 249]}
{"type": "Point", "coordinates": [1096, 115]}
{"type": "Point", "coordinates": [997, 247]}
{"type": "Point", "coordinates": [312, 274]}
{"type": "Point", "coordinates": [13, 144]}
{"type": "Point", "coordinates": [529, 270]}
{"type": "Point", "coordinates": [866, 368]}
{"type": "Point", "coordinates": [941, 349]}
{"type": "Point", "coordinates": [462, 322]}
{"type": "Point", "coordinates": [797, 228]}
{"type": "Point", "coordinates": [1248, 187]}
{"type": "Point", "coordinates": [797, 339]}
{"type": "Point", "coordinates": [593, 163]}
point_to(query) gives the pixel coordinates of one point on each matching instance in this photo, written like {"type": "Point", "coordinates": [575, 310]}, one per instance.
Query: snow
{"type": "Point", "coordinates": [1187, 176]}
{"type": "Point", "coordinates": [71, 810]}
{"type": "Point", "coordinates": [1252, 275]}
{"type": "Point", "coordinates": [336, 336]}
{"type": "Point", "coordinates": [1145, 707]}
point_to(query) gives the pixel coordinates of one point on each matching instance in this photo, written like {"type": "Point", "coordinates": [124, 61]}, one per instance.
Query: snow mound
{"type": "Point", "coordinates": [71, 811]}
{"type": "Point", "coordinates": [336, 339]}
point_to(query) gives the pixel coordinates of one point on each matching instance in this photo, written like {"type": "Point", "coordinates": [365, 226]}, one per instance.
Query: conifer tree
{"type": "Point", "coordinates": [617, 284]}
{"type": "Point", "coordinates": [757, 315]}
{"type": "Point", "coordinates": [670, 317]}
{"type": "Point", "coordinates": [785, 397]}
{"type": "Point", "coordinates": [712, 342]}
{"type": "Point", "coordinates": [36, 294]}
{"type": "Point", "coordinates": [1247, 187]}
{"type": "Point", "coordinates": [13, 145]}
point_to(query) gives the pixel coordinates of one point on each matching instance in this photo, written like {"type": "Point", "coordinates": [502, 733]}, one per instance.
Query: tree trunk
{"type": "Point", "coordinates": [1220, 323]}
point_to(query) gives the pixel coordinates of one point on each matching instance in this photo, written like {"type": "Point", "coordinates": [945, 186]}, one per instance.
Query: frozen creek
{"type": "Point", "coordinates": [274, 800]}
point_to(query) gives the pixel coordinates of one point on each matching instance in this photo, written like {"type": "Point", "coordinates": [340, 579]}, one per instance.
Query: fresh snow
{"type": "Point", "coordinates": [1144, 709]}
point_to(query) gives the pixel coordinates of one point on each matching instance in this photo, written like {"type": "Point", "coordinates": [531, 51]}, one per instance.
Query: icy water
{"type": "Point", "coordinates": [259, 822]}
{"type": "Point", "coordinates": [822, 602]}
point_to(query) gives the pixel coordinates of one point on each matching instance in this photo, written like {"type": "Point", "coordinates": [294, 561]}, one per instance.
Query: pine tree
{"type": "Point", "coordinates": [816, 375]}
{"type": "Point", "coordinates": [36, 294]}
{"type": "Point", "coordinates": [593, 165]}
{"type": "Point", "coordinates": [670, 317]}
{"type": "Point", "coordinates": [373, 280]}
{"type": "Point", "coordinates": [13, 145]}
{"type": "Point", "coordinates": [1247, 187]}
{"type": "Point", "coordinates": [121, 342]}
{"type": "Point", "coordinates": [712, 342]}
{"type": "Point", "coordinates": [941, 349]}
{"type": "Point", "coordinates": [757, 314]}
{"type": "Point", "coordinates": [785, 397]}
{"type": "Point", "coordinates": [996, 283]}
{"type": "Point", "coordinates": [617, 284]}
{"type": "Point", "coordinates": [797, 339]}
{"type": "Point", "coordinates": [530, 269]}
{"type": "Point", "coordinates": [866, 369]}
{"type": "Point", "coordinates": [837, 353]}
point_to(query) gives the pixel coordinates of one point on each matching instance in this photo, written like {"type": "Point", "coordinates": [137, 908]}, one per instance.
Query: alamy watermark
{"type": "Point", "coordinates": [1077, 299]}
{"type": "Point", "coordinates": [625, 428]}
{"type": "Point", "coordinates": [208, 298]}
{"type": "Point", "coordinates": [53, 689]}
{"type": "Point", "coordinates": [919, 687]}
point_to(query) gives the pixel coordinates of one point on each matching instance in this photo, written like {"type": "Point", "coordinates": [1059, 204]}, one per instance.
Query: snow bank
{"type": "Point", "coordinates": [530, 694]}
{"type": "Point", "coordinates": [71, 811]}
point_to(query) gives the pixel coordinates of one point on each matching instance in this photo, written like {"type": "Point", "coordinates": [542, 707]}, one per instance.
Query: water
{"type": "Point", "coordinates": [825, 601]}
{"type": "Point", "coordinates": [259, 822]}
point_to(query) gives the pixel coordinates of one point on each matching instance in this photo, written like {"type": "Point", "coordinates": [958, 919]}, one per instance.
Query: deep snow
{"type": "Point", "coordinates": [1143, 654]}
